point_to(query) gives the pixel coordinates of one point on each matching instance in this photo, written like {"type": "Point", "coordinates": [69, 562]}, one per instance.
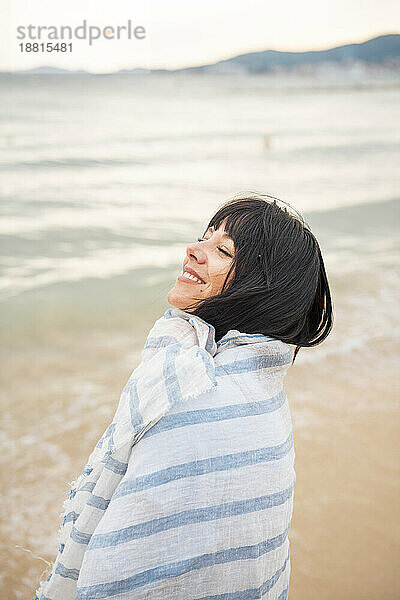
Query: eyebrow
{"type": "Point", "coordinates": [223, 235]}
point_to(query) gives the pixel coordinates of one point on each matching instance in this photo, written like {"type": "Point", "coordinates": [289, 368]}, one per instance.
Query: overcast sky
{"type": "Point", "coordinates": [182, 33]}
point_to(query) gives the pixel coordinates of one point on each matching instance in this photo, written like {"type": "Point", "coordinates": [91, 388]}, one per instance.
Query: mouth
{"type": "Point", "coordinates": [190, 276]}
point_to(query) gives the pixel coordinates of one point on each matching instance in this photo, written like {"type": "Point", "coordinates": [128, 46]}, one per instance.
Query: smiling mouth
{"type": "Point", "coordinates": [187, 277]}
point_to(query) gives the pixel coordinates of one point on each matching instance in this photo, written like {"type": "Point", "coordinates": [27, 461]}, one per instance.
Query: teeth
{"type": "Point", "coordinates": [190, 276]}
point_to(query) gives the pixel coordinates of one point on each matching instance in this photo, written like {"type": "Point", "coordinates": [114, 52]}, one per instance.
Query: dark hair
{"type": "Point", "coordinates": [279, 286]}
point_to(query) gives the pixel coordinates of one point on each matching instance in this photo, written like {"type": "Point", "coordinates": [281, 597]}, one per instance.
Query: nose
{"type": "Point", "coordinates": [196, 252]}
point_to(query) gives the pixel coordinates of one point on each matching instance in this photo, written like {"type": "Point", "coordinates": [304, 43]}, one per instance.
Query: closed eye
{"type": "Point", "coordinates": [220, 249]}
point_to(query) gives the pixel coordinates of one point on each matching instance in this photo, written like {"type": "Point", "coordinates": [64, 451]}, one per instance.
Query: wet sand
{"type": "Point", "coordinates": [344, 537]}
{"type": "Point", "coordinates": [345, 533]}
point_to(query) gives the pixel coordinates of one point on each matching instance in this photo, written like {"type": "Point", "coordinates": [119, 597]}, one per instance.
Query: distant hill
{"type": "Point", "coordinates": [50, 71]}
{"type": "Point", "coordinates": [377, 50]}
{"type": "Point", "coordinates": [381, 50]}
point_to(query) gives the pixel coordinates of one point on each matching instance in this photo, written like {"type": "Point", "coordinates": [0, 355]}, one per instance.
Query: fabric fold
{"type": "Point", "coordinates": [177, 364]}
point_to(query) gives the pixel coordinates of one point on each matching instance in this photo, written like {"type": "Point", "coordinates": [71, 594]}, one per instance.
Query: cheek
{"type": "Point", "coordinates": [217, 279]}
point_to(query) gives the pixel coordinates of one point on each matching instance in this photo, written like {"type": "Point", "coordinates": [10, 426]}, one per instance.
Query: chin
{"type": "Point", "coordinates": [174, 298]}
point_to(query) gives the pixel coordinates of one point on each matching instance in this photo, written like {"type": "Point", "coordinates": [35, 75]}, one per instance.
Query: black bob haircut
{"type": "Point", "coordinates": [279, 285]}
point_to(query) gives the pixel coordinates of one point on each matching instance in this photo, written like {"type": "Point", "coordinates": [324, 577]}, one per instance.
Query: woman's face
{"type": "Point", "coordinates": [209, 260]}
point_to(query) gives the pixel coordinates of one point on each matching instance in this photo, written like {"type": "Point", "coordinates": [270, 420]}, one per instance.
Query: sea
{"type": "Point", "coordinates": [104, 180]}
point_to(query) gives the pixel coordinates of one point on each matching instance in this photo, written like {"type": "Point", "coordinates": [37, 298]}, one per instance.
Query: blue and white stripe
{"type": "Point", "coordinates": [189, 493]}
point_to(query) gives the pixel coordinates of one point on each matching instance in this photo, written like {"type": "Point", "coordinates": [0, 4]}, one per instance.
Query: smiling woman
{"type": "Point", "coordinates": [261, 271]}
{"type": "Point", "coordinates": [212, 256]}
{"type": "Point", "coordinates": [188, 495]}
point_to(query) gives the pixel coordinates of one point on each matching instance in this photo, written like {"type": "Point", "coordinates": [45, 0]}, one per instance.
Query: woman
{"type": "Point", "coordinates": [188, 495]}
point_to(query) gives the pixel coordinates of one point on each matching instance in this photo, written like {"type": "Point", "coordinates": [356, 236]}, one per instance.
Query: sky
{"type": "Point", "coordinates": [181, 33]}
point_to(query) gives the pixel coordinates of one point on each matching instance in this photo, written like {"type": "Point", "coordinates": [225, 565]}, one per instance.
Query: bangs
{"type": "Point", "coordinates": [243, 223]}
{"type": "Point", "coordinates": [249, 221]}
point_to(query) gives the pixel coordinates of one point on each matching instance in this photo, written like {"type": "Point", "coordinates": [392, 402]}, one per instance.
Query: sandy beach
{"type": "Point", "coordinates": [344, 539]}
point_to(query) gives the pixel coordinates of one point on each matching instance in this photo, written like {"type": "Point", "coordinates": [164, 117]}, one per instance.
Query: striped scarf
{"type": "Point", "coordinates": [177, 366]}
